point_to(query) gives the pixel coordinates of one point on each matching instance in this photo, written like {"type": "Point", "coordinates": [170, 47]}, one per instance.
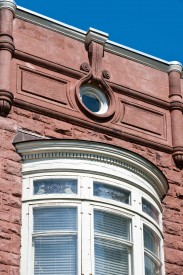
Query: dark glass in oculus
{"type": "Point", "coordinates": [91, 102]}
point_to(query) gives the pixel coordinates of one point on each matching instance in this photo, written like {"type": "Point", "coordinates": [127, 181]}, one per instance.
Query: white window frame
{"type": "Point", "coordinates": [89, 90]}
{"type": "Point", "coordinates": [90, 162]}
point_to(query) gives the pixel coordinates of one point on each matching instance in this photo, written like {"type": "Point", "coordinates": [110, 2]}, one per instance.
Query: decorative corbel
{"type": "Point", "coordinates": [176, 109]}
{"type": "Point", "coordinates": [95, 42]}
{"type": "Point", "coordinates": [7, 11]}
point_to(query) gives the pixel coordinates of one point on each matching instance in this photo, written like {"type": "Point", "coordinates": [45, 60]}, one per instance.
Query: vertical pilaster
{"type": "Point", "coordinates": [7, 10]}
{"type": "Point", "coordinates": [176, 108]}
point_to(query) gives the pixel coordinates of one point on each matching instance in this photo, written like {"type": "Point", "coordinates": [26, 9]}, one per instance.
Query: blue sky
{"type": "Point", "coordinates": [151, 26]}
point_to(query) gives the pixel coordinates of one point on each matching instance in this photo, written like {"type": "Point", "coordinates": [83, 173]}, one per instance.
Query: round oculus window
{"type": "Point", "coordinates": [94, 99]}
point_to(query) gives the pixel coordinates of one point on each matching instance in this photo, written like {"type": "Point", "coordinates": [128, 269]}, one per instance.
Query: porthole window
{"type": "Point", "coordinates": [94, 99]}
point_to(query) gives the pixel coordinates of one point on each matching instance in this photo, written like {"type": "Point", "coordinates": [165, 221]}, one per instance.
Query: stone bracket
{"type": "Point", "coordinates": [178, 156]}
{"type": "Point", "coordinates": [95, 41]}
{"type": "Point", "coordinates": [6, 101]}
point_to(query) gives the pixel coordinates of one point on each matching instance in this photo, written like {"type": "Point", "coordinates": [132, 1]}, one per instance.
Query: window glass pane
{"type": "Point", "coordinates": [111, 224]}
{"type": "Point", "coordinates": [55, 186]}
{"type": "Point", "coordinates": [110, 258]}
{"type": "Point", "coordinates": [91, 102]}
{"type": "Point", "coordinates": [150, 267]}
{"type": "Point", "coordinates": [55, 255]}
{"type": "Point", "coordinates": [111, 254]}
{"type": "Point", "coordinates": [151, 241]}
{"type": "Point", "coordinates": [149, 209]}
{"type": "Point", "coordinates": [111, 192]}
{"type": "Point", "coordinates": [55, 219]}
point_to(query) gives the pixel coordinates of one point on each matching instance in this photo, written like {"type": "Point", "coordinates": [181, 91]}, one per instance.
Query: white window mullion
{"type": "Point", "coordinates": [30, 247]}
{"type": "Point", "coordinates": [130, 260]}
{"type": "Point", "coordinates": [137, 231]}
{"type": "Point", "coordinates": [86, 259]}
{"type": "Point", "coordinates": [26, 234]}
{"type": "Point", "coordinates": [86, 184]}
{"type": "Point", "coordinates": [79, 239]}
{"type": "Point", "coordinates": [162, 256]}
{"type": "Point", "coordinates": [26, 192]}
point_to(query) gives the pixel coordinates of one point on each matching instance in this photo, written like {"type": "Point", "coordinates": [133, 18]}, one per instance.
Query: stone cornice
{"type": "Point", "coordinates": [92, 151]}
{"type": "Point", "coordinates": [80, 35]}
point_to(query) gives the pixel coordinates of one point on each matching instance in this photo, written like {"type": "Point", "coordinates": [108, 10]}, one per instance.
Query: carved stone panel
{"type": "Point", "coordinates": [44, 86]}
{"type": "Point", "coordinates": [52, 93]}
{"type": "Point", "coordinates": [144, 120]}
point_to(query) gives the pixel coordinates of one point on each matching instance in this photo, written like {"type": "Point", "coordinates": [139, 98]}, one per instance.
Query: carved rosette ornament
{"type": "Point", "coordinates": [7, 10]}
{"type": "Point", "coordinates": [106, 74]}
{"type": "Point", "coordinates": [96, 78]}
{"type": "Point", "coordinates": [85, 67]}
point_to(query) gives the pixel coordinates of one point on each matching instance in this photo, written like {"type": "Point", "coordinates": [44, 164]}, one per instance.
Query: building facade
{"type": "Point", "coordinates": [91, 153]}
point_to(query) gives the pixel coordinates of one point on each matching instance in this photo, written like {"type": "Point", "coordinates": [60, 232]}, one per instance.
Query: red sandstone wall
{"type": "Point", "coordinates": [47, 67]}
{"type": "Point", "coordinates": [45, 59]}
{"type": "Point", "coordinates": [10, 200]}
{"type": "Point", "coordinates": [59, 49]}
{"type": "Point", "coordinates": [10, 187]}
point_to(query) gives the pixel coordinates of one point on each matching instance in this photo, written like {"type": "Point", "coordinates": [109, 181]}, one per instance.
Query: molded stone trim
{"type": "Point", "coordinates": [110, 46]}
{"type": "Point", "coordinates": [92, 151]}
{"type": "Point", "coordinates": [96, 36]}
{"type": "Point", "coordinates": [8, 4]}
{"type": "Point", "coordinates": [175, 66]}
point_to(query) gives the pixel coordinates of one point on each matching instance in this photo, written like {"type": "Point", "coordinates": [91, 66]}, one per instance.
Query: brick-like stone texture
{"type": "Point", "coordinates": [10, 199]}
{"type": "Point", "coordinates": [11, 185]}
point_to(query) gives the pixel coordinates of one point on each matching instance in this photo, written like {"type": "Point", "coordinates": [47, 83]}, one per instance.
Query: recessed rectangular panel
{"type": "Point", "coordinates": [144, 119]}
{"type": "Point", "coordinates": [44, 86]}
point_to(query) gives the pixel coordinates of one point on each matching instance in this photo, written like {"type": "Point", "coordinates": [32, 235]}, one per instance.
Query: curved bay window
{"type": "Point", "coordinates": [90, 208]}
